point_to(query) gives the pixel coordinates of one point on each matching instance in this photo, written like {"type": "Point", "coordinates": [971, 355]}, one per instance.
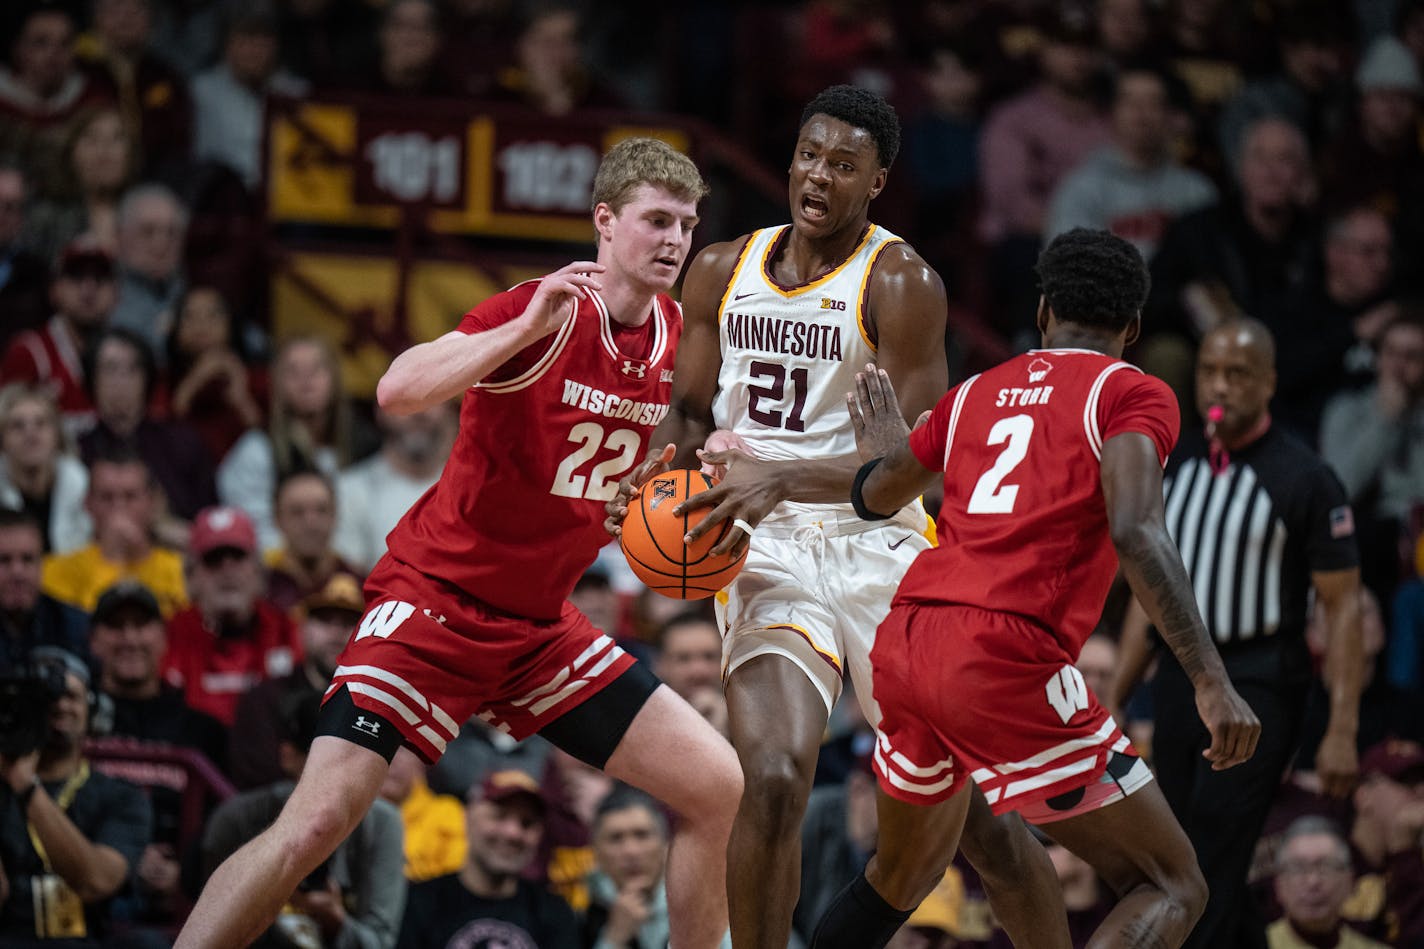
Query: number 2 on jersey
{"type": "Point", "coordinates": [601, 483]}
{"type": "Point", "coordinates": [991, 495]}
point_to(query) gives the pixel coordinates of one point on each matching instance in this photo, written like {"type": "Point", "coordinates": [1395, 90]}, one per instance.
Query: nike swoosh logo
{"type": "Point", "coordinates": [901, 541]}
{"type": "Point", "coordinates": [740, 295]}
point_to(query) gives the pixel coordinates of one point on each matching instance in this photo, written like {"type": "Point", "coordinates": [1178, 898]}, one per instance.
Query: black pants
{"type": "Point", "coordinates": [1223, 811]}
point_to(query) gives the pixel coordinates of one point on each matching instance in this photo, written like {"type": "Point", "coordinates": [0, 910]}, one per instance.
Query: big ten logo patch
{"type": "Point", "coordinates": [1067, 693]}
{"type": "Point", "coordinates": [828, 304]}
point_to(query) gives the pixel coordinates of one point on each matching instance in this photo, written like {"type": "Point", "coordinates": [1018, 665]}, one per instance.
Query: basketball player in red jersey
{"type": "Point", "coordinates": [1051, 461]}
{"type": "Point", "coordinates": [563, 379]}
{"type": "Point", "coordinates": [778, 322]}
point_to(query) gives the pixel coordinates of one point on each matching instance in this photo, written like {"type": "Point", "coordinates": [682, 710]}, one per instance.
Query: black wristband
{"type": "Point", "coordinates": [24, 797]}
{"type": "Point", "coordinates": [858, 502]}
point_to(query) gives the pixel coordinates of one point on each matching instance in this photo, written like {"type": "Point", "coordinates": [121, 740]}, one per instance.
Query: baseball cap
{"type": "Point", "coordinates": [64, 659]}
{"type": "Point", "coordinates": [1388, 64]}
{"type": "Point", "coordinates": [83, 257]}
{"type": "Point", "coordinates": [341, 592]}
{"type": "Point", "coordinates": [216, 527]}
{"type": "Point", "coordinates": [126, 594]}
{"type": "Point", "coordinates": [1396, 758]}
{"type": "Point", "coordinates": [505, 785]}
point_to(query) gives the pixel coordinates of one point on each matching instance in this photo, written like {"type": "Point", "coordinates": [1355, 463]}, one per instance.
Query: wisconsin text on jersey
{"type": "Point", "coordinates": [608, 405]}
{"type": "Point", "coordinates": [784, 336]}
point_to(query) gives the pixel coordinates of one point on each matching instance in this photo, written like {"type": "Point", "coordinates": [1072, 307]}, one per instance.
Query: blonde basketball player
{"type": "Point", "coordinates": [776, 324]}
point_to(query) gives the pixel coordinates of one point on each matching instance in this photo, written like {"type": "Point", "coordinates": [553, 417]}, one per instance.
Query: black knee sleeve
{"type": "Point", "coordinates": [858, 919]}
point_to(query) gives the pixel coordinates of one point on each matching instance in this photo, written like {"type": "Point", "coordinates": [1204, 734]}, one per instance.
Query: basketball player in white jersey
{"type": "Point", "coordinates": [776, 324]}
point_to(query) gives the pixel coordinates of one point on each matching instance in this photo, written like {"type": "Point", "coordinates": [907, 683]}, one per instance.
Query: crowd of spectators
{"type": "Point", "coordinates": [188, 506]}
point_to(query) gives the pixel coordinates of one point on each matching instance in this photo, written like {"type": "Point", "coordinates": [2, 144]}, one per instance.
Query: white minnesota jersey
{"type": "Point", "coordinates": [790, 354]}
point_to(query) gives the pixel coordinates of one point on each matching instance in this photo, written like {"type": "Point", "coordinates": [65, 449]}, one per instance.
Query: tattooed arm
{"type": "Point", "coordinates": [1132, 491]}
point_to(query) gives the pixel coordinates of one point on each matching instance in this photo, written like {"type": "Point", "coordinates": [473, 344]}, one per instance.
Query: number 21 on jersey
{"type": "Point", "coordinates": [991, 495]}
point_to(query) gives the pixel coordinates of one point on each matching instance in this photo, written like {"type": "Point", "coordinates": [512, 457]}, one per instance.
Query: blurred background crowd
{"type": "Point", "coordinates": [194, 481]}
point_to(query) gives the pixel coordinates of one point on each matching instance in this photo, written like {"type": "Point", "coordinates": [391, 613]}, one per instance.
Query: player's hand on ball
{"type": "Point", "coordinates": [1234, 728]}
{"type": "Point", "coordinates": [559, 293]}
{"type": "Point", "coordinates": [719, 441]}
{"type": "Point", "coordinates": [655, 464]}
{"type": "Point", "coordinates": [748, 493]}
{"type": "Point", "coordinates": [875, 414]}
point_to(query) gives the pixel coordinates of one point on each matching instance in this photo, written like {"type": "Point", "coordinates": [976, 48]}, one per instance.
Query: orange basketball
{"type": "Point", "coordinates": [652, 539]}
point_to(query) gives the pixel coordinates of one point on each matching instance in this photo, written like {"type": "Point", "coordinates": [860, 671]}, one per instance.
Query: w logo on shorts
{"type": "Point", "coordinates": [1067, 693]}
{"type": "Point", "coordinates": [385, 619]}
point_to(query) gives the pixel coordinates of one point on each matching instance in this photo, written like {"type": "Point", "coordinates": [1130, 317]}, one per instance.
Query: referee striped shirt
{"type": "Point", "coordinates": [1251, 536]}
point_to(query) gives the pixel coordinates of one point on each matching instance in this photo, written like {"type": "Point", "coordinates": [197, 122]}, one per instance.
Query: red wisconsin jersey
{"type": "Point", "coordinates": [48, 356]}
{"type": "Point", "coordinates": [1024, 527]}
{"type": "Point", "coordinates": [517, 515]}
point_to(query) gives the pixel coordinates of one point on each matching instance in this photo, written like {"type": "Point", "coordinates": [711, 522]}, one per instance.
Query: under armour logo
{"type": "Point", "coordinates": [364, 724]}
{"type": "Point", "coordinates": [439, 619]}
{"type": "Point", "coordinates": [631, 368]}
{"type": "Point", "coordinates": [1038, 369]}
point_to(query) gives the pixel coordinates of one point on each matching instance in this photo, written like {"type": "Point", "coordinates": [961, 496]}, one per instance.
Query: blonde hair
{"type": "Point", "coordinates": [293, 446]}
{"type": "Point", "coordinates": [638, 161]}
{"type": "Point", "coordinates": [16, 394]}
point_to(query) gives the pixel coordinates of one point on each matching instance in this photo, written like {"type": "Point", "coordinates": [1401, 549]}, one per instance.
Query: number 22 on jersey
{"type": "Point", "coordinates": [601, 483]}
{"type": "Point", "coordinates": [991, 495]}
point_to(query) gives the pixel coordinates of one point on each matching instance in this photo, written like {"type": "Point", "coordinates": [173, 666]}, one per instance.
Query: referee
{"type": "Point", "coordinates": [1260, 521]}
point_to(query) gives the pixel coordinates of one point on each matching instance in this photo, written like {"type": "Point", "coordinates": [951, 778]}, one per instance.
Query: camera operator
{"type": "Point", "coordinates": [69, 837]}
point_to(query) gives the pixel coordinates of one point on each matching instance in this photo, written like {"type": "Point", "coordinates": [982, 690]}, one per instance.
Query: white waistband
{"type": "Point", "coordinates": [837, 520]}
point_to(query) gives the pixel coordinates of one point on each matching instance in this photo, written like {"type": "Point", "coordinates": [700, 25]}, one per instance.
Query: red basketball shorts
{"type": "Point", "coordinates": [967, 694]}
{"type": "Point", "coordinates": [426, 657]}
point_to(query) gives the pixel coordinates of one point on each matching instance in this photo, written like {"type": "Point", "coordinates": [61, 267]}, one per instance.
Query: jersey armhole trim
{"type": "Point", "coordinates": [862, 299]}
{"type": "Point", "coordinates": [959, 400]}
{"type": "Point", "coordinates": [68, 353]}
{"type": "Point", "coordinates": [742, 257]}
{"type": "Point", "coordinates": [534, 372]}
{"type": "Point", "coordinates": [1090, 407]}
{"type": "Point", "coordinates": [35, 347]}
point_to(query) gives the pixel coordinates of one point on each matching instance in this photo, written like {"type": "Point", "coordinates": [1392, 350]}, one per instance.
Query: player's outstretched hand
{"type": "Point", "coordinates": [747, 493]}
{"type": "Point", "coordinates": [1234, 728]}
{"type": "Point", "coordinates": [875, 414]}
{"type": "Point", "coordinates": [559, 293]}
{"type": "Point", "coordinates": [617, 507]}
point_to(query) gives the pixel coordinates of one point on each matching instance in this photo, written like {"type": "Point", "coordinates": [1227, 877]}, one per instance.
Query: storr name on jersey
{"type": "Point", "coordinates": [607, 405]}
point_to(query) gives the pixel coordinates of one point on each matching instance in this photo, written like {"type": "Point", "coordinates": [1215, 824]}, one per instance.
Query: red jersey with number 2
{"type": "Point", "coordinates": [1024, 528]}
{"type": "Point", "coordinates": [517, 515]}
